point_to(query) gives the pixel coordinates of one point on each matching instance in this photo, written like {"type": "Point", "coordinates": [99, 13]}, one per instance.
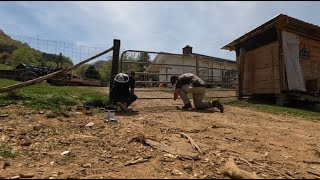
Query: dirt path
{"type": "Point", "coordinates": [272, 146]}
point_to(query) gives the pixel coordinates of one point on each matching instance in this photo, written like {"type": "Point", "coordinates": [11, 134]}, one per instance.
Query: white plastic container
{"type": "Point", "coordinates": [109, 115]}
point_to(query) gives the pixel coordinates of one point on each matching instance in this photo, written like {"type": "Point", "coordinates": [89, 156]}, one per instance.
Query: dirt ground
{"type": "Point", "coordinates": [272, 146]}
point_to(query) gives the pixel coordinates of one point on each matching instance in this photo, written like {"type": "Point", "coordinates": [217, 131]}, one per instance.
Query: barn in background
{"type": "Point", "coordinates": [211, 69]}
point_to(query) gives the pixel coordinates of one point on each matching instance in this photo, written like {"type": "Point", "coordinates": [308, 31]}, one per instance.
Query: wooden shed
{"type": "Point", "coordinates": [281, 57]}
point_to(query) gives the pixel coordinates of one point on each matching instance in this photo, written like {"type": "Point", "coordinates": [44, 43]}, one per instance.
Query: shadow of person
{"type": "Point", "coordinates": [198, 110]}
{"type": "Point", "coordinates": [129, 112]}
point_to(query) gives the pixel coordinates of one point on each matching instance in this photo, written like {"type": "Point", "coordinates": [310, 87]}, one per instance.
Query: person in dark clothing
{"type": "Point", "coordinates": [123, 90]}
{"type": "Point", "coordinates": [190, 83]}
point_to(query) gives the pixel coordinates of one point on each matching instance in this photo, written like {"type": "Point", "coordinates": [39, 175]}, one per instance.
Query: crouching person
{"type": "Point", "coordinates": [122, 92]}
{"type": "Point", "coordinates": [190, 83]}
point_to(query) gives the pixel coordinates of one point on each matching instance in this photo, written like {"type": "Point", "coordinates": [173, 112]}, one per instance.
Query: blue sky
{"type": "Point", "coordinates": [155, 26]}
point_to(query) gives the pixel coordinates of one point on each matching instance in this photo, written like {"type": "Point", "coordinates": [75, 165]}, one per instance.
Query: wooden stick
{"type": "Point", "coordinates": [314, 173]}
{"type": "Point", "coordinates": [311, 162]}
{"type": "Point", "coordinates": [168, 149]}
{"type": "Point", "coordinates": [42, 78]}
{"type": "Point", "coordinates": [244, 160]}
{"type": "Point", "coordinates": [140, 160]}
{"type": "Point", "coordinates": [232, 170]}
{"type": "Point", "coordinates": [192, 142]}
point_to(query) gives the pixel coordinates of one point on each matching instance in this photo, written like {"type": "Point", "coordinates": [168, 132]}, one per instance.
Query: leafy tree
{"type": "Point", "coordinates": [127, 67]}
{"type": "Point", "coordinates": [143, 57]}
{"type": "Point", "coordinates": [82, 70]}
{"type": "Point", "coordinates": [7, 48]}
{"type": "Point", "coordinates": [25, 55]}
{"type": "Point", "coordinates": [92, 73]}
{"type": "Point", "coordinates": [106, 72]}
{"type": "Point", "coordinates": [50, 64]}
{"type": "Point", "coordinates": [98, 64]}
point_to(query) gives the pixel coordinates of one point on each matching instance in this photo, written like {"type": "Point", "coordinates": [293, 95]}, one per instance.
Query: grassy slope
{"type": "Point", "coordinates": [45, 96]}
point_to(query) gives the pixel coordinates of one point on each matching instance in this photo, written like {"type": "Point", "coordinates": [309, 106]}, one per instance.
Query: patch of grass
{"type": "Point", "coordinates": [7, 152]}
{"type": "Point", "coordinates": [5, 67]}
{"type": "Point", "coordinates": [96, 99]}
{"type": "Point", "coordinates": [294, 110]}
{"type": "Point", "coordinates": [56, 98]}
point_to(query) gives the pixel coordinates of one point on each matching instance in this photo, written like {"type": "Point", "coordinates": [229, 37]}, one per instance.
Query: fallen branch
{"type": "Point", "coordinates": [244, 160]}
{"type": "Point", "coordinates": [314, 173]}
{"type": "Point", "coordinates": [42, 78]}
{"type": "Point", "coordinates": [311, 162]}
{"type": "Point", "coordinates": [232, 170]}
{"type": "Point", "coordinates": [171, 150]}
{"type": "Point", "coordinates": [194, 145]}
{"type": "Point", "coordinates": [163, 147]}
{"type": "Point", "coordinates": [140, 160]}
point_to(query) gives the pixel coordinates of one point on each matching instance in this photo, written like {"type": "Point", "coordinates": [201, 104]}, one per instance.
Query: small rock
{"type": "Point", "coordinates": [65, 153]}
{"type": "Point", "coordinates": [54, 174]}
{"type": "Point", "coordinates": [15, 177]}
{"type": "Point", "coordinates": [170, 156]}
{"type": "Point", "coordinates": [90, 124]}
{"type": "Point", "coordinates": [176, 172]}
{"type": "Point", "coordinates": [36, 128]}
{"type": "Point", "coordinates": [5, 164]}
{"type": "Point", "coordinates": [26, 175]}
{"type": "Point", "coordinates": [25, 143]}
{"type": "Point", "coordinates": [41, 112]}
{"type": "Point", "coordinates": [51, 178]}
{"type": "Point", "coordinates": [88, 165]}
{"type": "Point", "coordinates": [51, 163]}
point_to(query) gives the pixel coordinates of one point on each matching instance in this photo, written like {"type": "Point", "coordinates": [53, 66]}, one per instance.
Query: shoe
{"type": "Point", "coordinates": [121, 107]}
{"type": "Point", "coordinates": [186, 106]}
{"type": "Point", "coordinates": [217, 103]}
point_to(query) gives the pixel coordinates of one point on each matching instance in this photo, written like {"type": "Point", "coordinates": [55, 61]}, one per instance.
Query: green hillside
{"type": "Point", "coordinates": [13, 52]}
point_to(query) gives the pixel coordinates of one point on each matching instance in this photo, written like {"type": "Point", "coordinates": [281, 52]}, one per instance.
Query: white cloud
{"type": "Point", "coordinates": [154, 26]}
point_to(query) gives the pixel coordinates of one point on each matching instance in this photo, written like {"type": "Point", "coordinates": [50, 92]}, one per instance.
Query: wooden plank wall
{"type": "Point", "coordinates": [261, 71]}
{"type": "Point", "coordinates": [310, 67]}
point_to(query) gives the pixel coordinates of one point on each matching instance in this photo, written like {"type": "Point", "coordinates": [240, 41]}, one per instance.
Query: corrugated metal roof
{"type": "Point", "coordinates": [290, 23]}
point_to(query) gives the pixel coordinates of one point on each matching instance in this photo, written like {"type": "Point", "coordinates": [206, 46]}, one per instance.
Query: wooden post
{"type": "Point", "coordinates": [115, 61]}
{"type": "Point", "coordinates": [282, 68]}
{"type": "Point", "coordinates": [197, 67]}
{"type": "Point", "coordinates": [241, 72]}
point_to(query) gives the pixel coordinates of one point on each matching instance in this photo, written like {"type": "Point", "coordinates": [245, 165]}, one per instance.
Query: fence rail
{"type": "Point", "coordinates": [151, 79]}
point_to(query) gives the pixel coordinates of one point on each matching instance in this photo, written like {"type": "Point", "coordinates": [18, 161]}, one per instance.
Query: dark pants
{"type": "Point", "coordinates": [123, 98]}
{"type": "Point", "coordinates": [131, 99]}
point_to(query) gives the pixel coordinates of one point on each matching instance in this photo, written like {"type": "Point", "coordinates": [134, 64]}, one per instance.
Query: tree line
{"type": "Point", "coordinates": [22, 53]}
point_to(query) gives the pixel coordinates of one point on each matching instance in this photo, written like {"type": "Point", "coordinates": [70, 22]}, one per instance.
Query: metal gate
{"type": "Point", "coordinates": [153, 75]}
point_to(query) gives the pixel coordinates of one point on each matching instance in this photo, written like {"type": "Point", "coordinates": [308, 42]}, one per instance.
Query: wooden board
{"type": "Point", "coordinates": [310, 67]}
{"type": "Point", "coordinates": [262, 66]}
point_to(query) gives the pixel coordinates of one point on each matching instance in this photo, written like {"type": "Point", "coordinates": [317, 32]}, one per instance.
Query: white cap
{"type": "Point", "coordinates": [121, 78]}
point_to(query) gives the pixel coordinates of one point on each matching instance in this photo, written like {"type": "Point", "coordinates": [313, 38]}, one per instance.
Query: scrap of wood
{"type": "Point", "coordinates": [171, 150]}
{"type": "Point", "coordinates": [244, 160]}
{"type": "Point", "coordinates": [311, 162]}
{"type": "Point", "coordinates": [232, 170]}
{"type": "Point", "coordinates": [42, 78]}
{"type": "Point", "coordinates": [314, 173]}
{"type": "Point", "coordinates": [192, 142]}
{"type": "Point", "coordinates": [140, 160]}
